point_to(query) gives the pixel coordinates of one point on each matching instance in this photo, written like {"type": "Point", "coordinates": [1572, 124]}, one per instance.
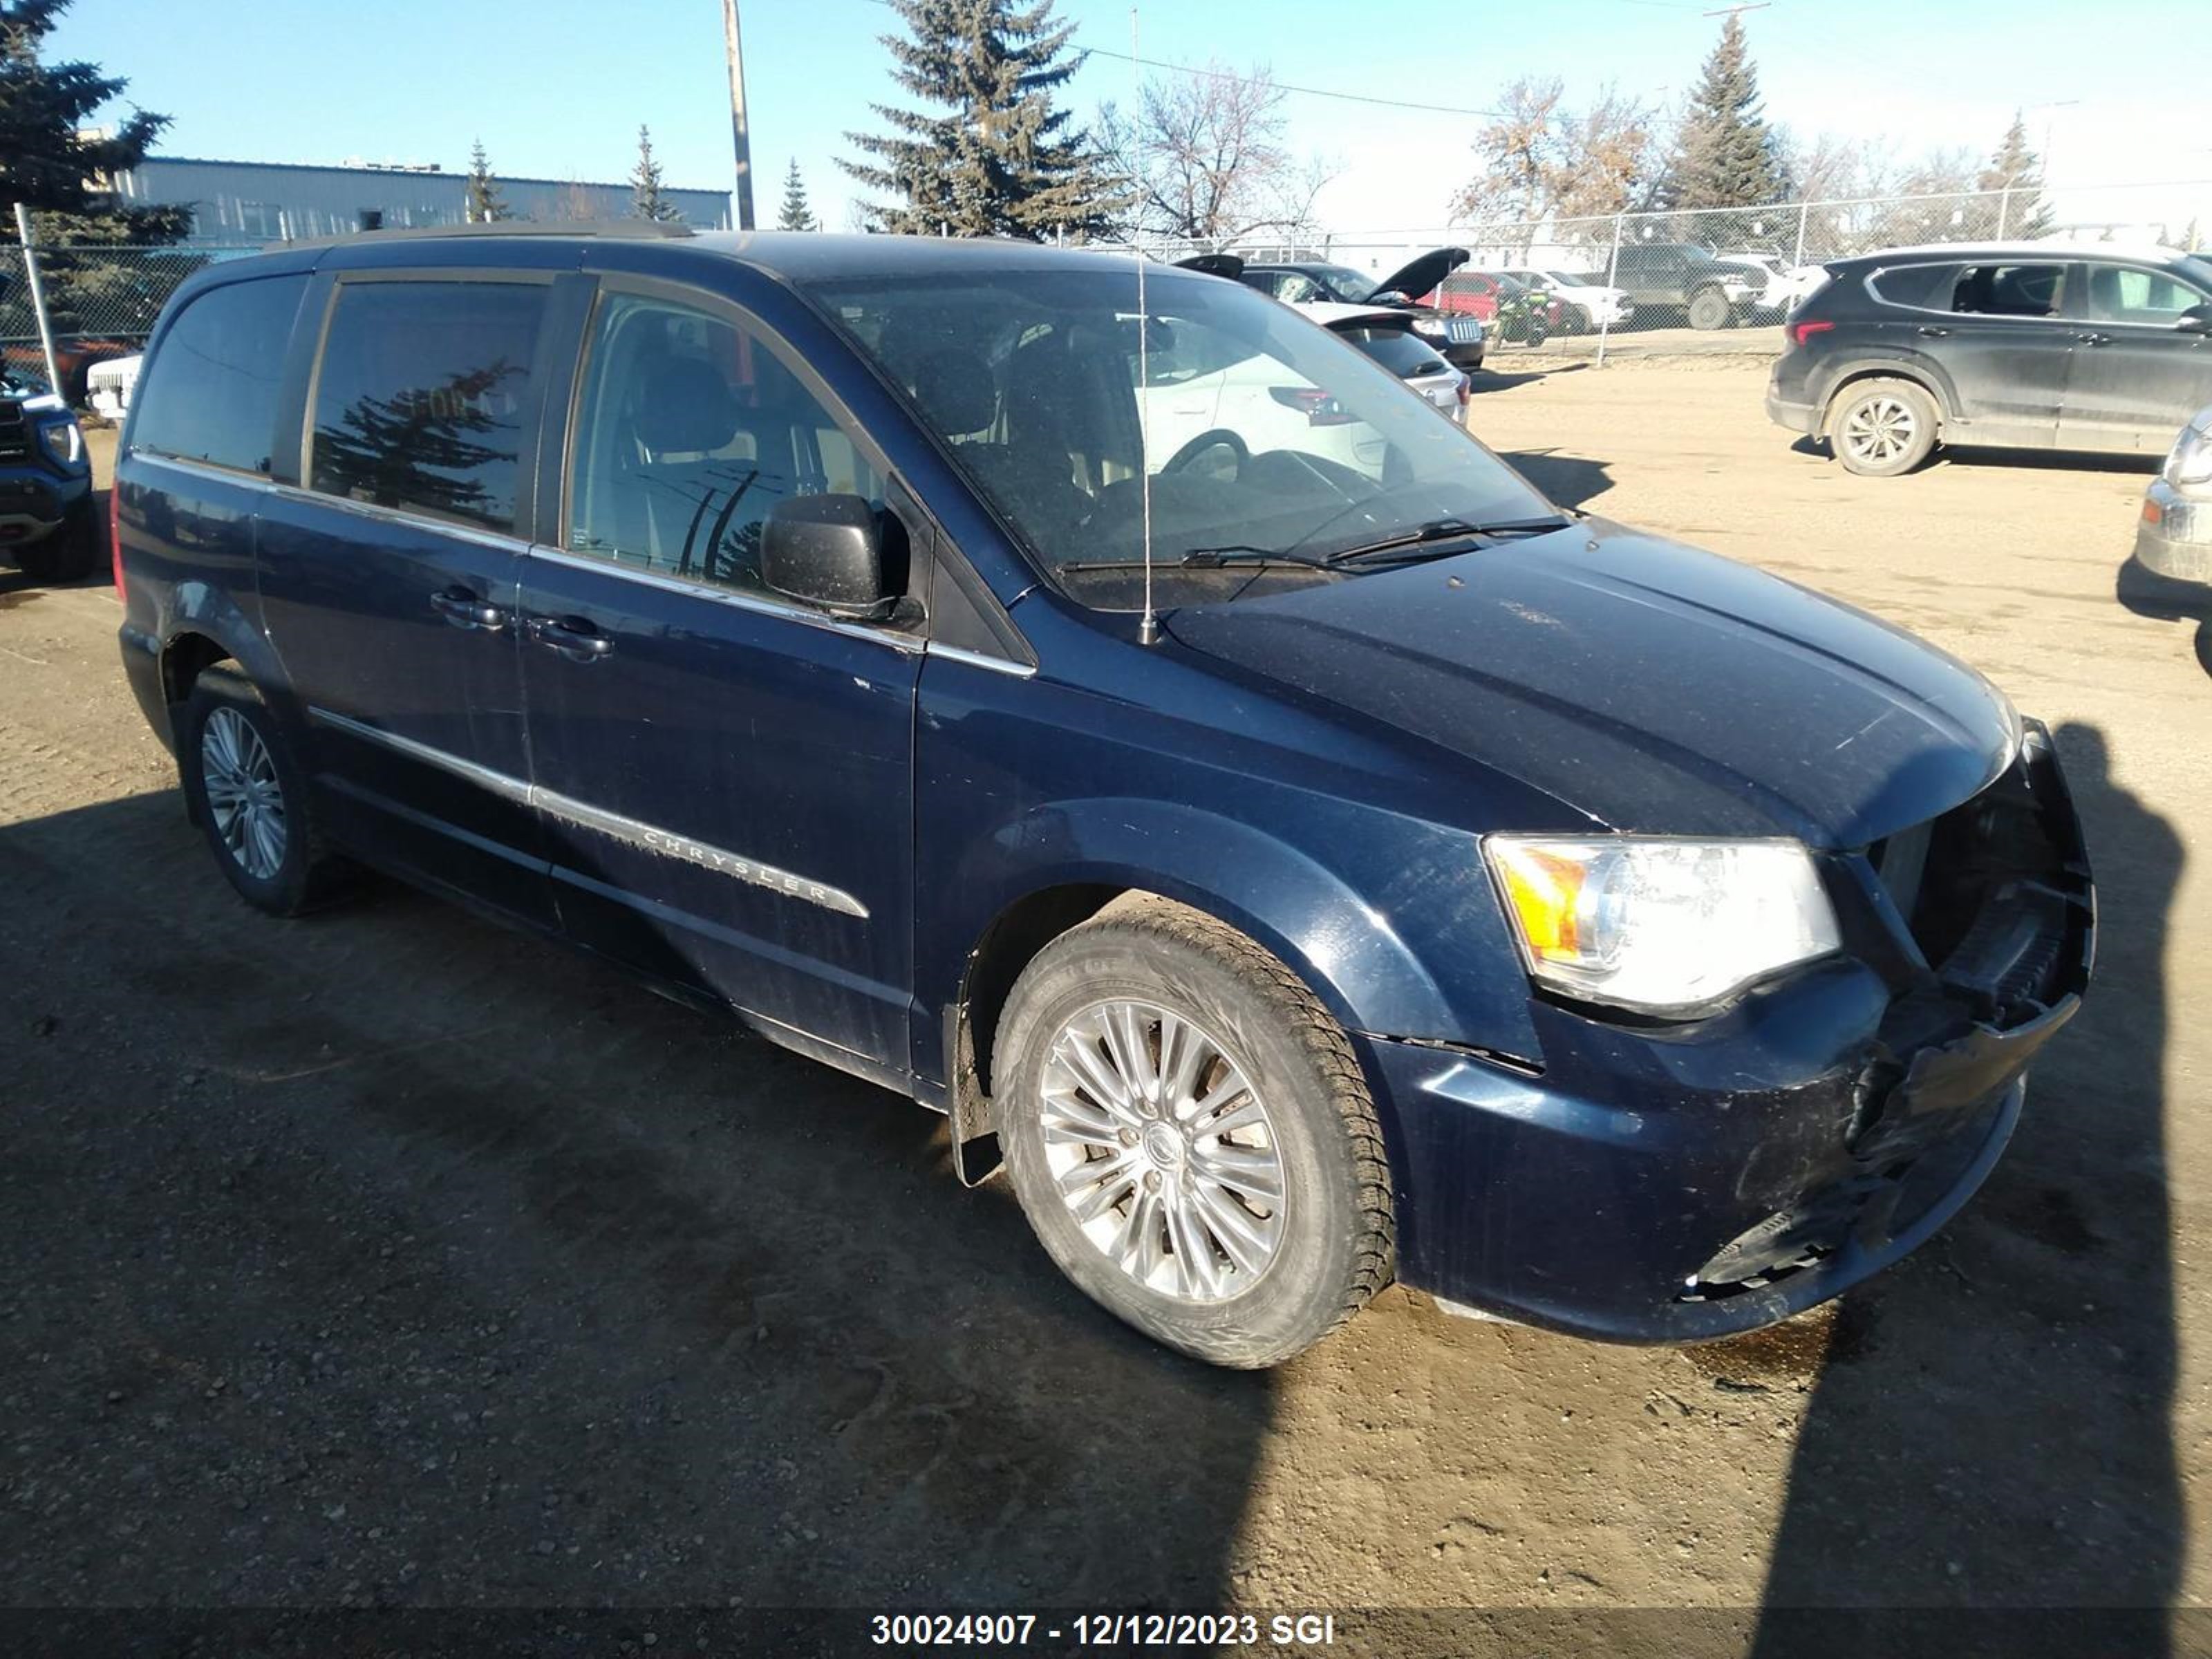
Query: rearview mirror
{"type": "Point", "coordinates": [2197, 320]}
{"type": "Point", "coordinates": [827, 550]}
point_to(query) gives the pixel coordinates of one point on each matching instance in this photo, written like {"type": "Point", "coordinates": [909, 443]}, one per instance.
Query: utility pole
{"type": "Point", "coordinates": [740, 137]}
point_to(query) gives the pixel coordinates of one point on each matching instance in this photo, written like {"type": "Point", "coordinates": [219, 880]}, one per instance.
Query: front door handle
{"type": "Point", "coordinates": [1935, 333]}
{"type": "Point", "coordinates": [465, 610]}
{"type": "Point", "coordinates": [574, 639]}
{"type": "Point", "coordinates": [2094, 338]}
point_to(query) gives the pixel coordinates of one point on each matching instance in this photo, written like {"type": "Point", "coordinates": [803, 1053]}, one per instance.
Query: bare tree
{"type": "Point", "coordinates": [1207, 154]}
{"type": "Point", "coordinates": [1544, 164]}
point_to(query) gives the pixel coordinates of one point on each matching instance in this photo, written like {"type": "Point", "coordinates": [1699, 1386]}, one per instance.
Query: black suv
{"type": "Point", "coordinates": [2035, 345]}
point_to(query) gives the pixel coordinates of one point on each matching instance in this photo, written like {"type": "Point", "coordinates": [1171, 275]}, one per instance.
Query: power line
{"type": "Point", "coordinates": [1281, 86]}
{"type": "Point", "coordinates": [1285, 86]}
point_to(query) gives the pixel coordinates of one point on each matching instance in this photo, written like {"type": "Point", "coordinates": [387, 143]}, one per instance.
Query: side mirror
{"type": "Point", "coordinates": [2197, 320]}
{"type": "Point", "coordinates": [828, 552]}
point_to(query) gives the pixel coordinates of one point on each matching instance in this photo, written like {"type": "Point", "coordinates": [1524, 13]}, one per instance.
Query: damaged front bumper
{"type": "Point", "coordinates": [1675, 1184]}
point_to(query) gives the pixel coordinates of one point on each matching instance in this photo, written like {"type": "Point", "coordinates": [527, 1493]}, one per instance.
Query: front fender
{"type": "Point", "coordinates": [1351, 947]}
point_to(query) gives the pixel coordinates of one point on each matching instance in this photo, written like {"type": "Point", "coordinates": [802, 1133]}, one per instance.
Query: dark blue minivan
{"type": "Point", "coordinates": [1122, 717]}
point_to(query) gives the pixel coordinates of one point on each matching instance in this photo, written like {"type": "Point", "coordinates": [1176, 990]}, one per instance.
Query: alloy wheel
{"type": "Point", "coordinates": [1880, 429]}
{"type": "Point", "coordinates": [244, 795]}
{"type": "Point", "coordinates": [1163, 1150]}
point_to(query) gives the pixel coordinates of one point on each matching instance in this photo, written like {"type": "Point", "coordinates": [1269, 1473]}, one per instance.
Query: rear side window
{"type": "Point", "coordinates": [2009, 290]}
{"type": "Point", "coordinates": [419, 402]}
{"type": "Point", "coordinates": [209, 394]}
{"type": "Point", "coordinates": [1918, 287]}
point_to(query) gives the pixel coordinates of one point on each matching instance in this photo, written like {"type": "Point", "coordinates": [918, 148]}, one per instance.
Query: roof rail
{"type": "Point", "coordinates": [638, 229]}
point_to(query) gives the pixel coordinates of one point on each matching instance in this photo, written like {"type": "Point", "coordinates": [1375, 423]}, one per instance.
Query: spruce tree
{"type": "Point", "coordinates": [796, 215]}
{"type": "Point", "coordinates": [2018, 170]}
{"type": "Point", "coordinates": [55, 162]}
{"type": "Point", "coordinates": [994, 158]}
{"type": "Point", "coordinates": [647, 199]}
{"type": "Point", "coordinates": [1726, 154]}
{"type": "Point", "coordinates": [485, 204]}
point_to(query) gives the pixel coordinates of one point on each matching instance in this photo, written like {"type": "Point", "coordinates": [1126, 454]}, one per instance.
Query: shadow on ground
{"type": "Point", "coordinates": [389, 1258]}
{"type": "Point", "coordinates": [2146, 593]}
{"type": "Point", "coordinates": [1990, 1428]}
{"type": "Point", "coordinates": [1569, 480]}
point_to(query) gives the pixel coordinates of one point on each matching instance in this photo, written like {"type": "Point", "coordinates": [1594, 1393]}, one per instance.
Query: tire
{"type": "Point", "coordinates": [1539, 331]}
{"type": "Point", "coordinates": [1882, 428]}
{"type": "Point", "coordinates": [71, 553]}
{"type": "Point", "coordinates": [1275, 1264]}
{"type": "Point", "coordinates": [228, 742]}
{"type": "Point", "coordinates": [1710, 309]}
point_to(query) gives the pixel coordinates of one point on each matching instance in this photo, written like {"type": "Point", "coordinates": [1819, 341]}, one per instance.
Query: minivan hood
{"type": "Point", "coordinates": [1423, 275]}
{"type": "Point", "coordinates": [1652, 687]}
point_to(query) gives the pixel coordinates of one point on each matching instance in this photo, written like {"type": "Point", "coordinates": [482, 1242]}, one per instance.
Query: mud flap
{"type": "Point", "coordinates": [973, 1124]}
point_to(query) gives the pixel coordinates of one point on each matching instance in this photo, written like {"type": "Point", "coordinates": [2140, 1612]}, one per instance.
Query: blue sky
{"type": "Point", "coordinates": [556, 88]}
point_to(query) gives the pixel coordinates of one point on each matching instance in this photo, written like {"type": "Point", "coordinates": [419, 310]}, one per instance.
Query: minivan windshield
{"type": "Point", "coordinates": [1277, 453]}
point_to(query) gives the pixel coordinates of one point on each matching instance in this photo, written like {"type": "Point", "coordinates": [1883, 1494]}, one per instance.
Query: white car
{"type": "Point", "coordinates": [1257, 399]}
{"type": "Point", "coordinates": [1587, 302]}
{"type": "Point", "coordinates": [108, 386]}
{"type": "Point", "coordinates": [1782, 287]}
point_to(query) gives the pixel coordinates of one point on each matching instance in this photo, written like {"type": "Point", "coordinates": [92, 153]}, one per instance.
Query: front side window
{"type": "Point", "coordinates": [688, 432]}
{"type": "Point", "coordinates": [1267, 442]}
{"type": "Point", "coordinates": [210, 393]}
{"type": "Point", "coordinates": [2010, 290]}
{"type": "Point", "coordinates": [2131, 294]}
{"type": "Point", "coordinates": [420, 398]}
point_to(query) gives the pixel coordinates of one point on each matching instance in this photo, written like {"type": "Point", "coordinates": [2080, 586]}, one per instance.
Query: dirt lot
{"type": "Point", "coordinates": [388, 1257]}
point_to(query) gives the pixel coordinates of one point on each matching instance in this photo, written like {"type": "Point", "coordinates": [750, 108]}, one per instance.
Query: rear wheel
{"type": "Point", "coordinates": [1882, 428]}
{"type": "Point", "coordinates": [1191, 1136]}
{"type": "Point", "coordinates": [1709, 308]}
{"type": "Point", "coordinates": [250, 797]}
{"type": "Point", "coordinates": [71, 552]}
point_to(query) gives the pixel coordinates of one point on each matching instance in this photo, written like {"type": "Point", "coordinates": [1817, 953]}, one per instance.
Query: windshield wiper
{"type": "Point", "coordinates": [1441, 530]}
{"type": "Point", "coordinates": [1209, 558]}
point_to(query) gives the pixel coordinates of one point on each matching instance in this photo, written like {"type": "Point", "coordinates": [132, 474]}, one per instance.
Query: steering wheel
{"type": "Point", "coordinates": [1213, 437]}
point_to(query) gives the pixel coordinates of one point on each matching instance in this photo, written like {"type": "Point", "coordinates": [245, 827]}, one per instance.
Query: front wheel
{"type": "Point", "coordinates": [1881, 428]}
{"type": "Point", "coordinates": [1708, 309]}
{"type": "Point", "coordinates": [1191, 1137]}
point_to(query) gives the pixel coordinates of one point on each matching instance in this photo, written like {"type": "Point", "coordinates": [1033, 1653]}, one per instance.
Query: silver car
{"type": "Point", "coordinates": [2175, 537]}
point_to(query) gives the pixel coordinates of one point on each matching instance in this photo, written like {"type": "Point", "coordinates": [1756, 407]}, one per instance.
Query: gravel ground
{"type": "Point", "coordinates": [389, 1258]}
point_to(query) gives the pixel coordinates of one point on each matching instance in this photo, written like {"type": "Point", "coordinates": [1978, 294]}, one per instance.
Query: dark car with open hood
{"type": "Point", "coordinates": [1299, 856]}
{"type": "Point", "coordinates": [1413, 288]}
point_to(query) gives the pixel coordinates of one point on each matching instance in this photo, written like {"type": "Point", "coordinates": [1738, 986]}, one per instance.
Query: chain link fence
{"type": "Point", "coordinates": [101, 301]}
{"type": "Point", "coordinates": [1722, 280]}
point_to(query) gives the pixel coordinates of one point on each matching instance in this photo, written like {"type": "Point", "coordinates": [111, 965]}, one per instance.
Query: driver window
{"type": "Point", "coordinates": [1298, 289]}
{"type": "Point", "coordinates": [2128, 293]}
{"type": "Point", "coordinates": [688, 432]}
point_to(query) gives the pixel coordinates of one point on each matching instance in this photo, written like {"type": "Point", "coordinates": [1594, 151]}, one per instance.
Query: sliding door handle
{"type": "Point", "coordinates": [572, 637]}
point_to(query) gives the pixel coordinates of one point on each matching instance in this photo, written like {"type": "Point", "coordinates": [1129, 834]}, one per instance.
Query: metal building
{"type": "Point", "coordinates": [236, 202]}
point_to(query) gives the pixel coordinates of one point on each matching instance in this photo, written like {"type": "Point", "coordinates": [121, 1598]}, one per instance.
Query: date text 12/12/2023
{"type": "Point", "coordinates": [1096, 1630]}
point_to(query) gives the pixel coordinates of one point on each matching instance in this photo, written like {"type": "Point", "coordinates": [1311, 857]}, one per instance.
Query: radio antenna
{"type": "Point", "coordinates": [1148, 628]}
